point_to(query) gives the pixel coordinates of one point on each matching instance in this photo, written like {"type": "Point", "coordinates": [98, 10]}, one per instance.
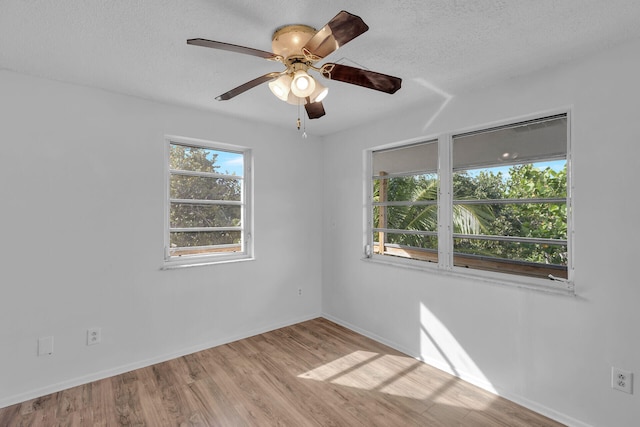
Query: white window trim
{"type": "Point", "coordinates": [246, 254]}
{"type": "Point", "coordinates": [445, 242]}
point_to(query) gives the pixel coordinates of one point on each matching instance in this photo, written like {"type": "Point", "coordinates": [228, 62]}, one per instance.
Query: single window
{"type": "Point", "coordinates": [207, 202]}
{"type": "Point", "coordinates": [494, 200]}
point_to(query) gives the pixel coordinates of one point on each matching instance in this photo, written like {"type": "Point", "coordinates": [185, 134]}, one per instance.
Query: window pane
{"type": "Point", "coordinates": [524, 181]}
{"type": "Point", "coordinates": [512, 257]}
{"type": "Point", "coordinates": [184, 215]}
{"type": "Point", "coordinates": [525, 142]}
{"type": "Point", "coordinates": [530, 252]}
{"type": "Point", "coordinates": [421, 157]}
{"type": "Point", "coordinates": [204, 188]}
{"type": "Point", "coordinates": [204, 238]}
{"type": "Point", "coordinates": [197, 159]}
{"type": "Point", "coordinates": [421, 218]}
{"type": "Point", "coordinates": [406, 188]}
{"type": "Point", "coordinates": [539, 220]}
{"type": "Point", "coordinates": [520, 162]}
{"type": "Point", "coordinates": [206, 193]}
{"type": "Point", "coordinates": [413, 240]}
{"type": "Point", "coordinates": [419, 163]}
{"type": "Point", "coordinates": [412, 246]}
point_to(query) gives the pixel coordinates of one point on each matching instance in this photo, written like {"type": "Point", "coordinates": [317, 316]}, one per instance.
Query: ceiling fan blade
{"type": "Point", "coordinates": [360, 77]}
{"type": "Point", "coordinates": [245, 87]}
{"type": "Point", "coordinates": [235, 48]}
{"type": "Point", "coordinates": [315, 110]}
{"type": "Point", "coordinates": [343, 28]}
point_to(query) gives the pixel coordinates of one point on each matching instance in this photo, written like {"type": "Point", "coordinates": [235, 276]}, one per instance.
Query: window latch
{"type": "Point", "coordinates": [367, 251]}
{"type": "Point", "coordinates": [558, 279]}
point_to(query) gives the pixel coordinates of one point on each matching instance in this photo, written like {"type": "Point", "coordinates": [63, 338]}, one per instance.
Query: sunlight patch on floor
{"type": "Point", "coordinates": [384, 373]}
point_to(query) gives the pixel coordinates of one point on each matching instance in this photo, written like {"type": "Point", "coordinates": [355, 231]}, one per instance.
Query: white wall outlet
{"type": "Point", "coordinates": [622, 380]}
{"type": "Point", "coordinates": [45, 346]}
{"type": "Point", "coordinates": [299, 291]}
{"type": "Point", "coordinates": [93, 336]}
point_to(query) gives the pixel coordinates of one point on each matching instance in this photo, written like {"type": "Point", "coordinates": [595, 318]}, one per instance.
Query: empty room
{"type": "Point", "coordinates": [392, 213]}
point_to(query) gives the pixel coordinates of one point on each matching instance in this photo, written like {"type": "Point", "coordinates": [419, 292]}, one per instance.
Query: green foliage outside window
{"type": "Point", "coordinates": [535, 220]}
{"type": "Point", "coordinates": [416, 217]}
{"type": "Point", "coordinates": [197, 188]}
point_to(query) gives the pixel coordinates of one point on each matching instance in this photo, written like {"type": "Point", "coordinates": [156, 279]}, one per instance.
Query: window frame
{"type": "Point", "coordinates": [245, 203]}
{"type": "Point", "coordinates": [445, 264]}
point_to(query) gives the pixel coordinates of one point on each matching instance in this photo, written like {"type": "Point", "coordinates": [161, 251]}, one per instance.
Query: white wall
{"type": "Point", "coordinates": [81, 190]}
{"type": "Point", "coordinates": [551, 353]}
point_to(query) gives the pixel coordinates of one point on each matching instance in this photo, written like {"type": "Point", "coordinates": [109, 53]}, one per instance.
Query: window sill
{"type": "Point", "coordinates": [558, 287]}
{"type": "Point", "coordinates": [189, 263]}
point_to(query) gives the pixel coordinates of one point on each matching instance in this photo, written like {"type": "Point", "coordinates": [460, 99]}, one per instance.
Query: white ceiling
{"type": "Point", "coordinates": [439, 48]}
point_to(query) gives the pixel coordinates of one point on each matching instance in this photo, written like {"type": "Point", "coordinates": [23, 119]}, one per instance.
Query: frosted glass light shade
{"type": "Point", "coordinates": [281, 87]}
{"type": "Point", "coordinates": [303, 84]}
{"type": "Point", "coordinates": [319, 93]}
{"type": "Point", "coordinates": [294, 100]}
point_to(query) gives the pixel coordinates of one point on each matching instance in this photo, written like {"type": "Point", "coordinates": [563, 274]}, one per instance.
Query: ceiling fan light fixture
{"type": "Point", "coordinates": [281, 86]}
{"type": "Point", "coordinates": [295, 100]}
{"type": "Point", "coordinates": [298, 47]}
{"type": "Point", "coordinates": [303, 84]}
{"type": "Point", "coordinates": [289, 39]}
{"type": "Point", "coordinates": [319, 93]}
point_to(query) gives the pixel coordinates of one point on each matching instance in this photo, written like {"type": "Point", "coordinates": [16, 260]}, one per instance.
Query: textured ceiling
{"type": "Point", "coordinates": [439, 48]}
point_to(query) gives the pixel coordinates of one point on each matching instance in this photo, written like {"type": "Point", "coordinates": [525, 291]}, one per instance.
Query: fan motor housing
{"type": "Point", "coordinates": [289, 40]}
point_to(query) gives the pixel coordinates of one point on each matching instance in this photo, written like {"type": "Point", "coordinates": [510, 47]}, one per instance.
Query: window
{"type": "Point", "coordinates": [207, 209]}
{"type": "Point", "coordinates": [405, 209]}
{"type": "Point", "coordinates": [493, 202]}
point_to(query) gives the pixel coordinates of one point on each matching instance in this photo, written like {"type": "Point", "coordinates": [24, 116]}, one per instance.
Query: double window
{"type": "Point", "coordinates": [207, 209]}
{"type": "Point", "coordinates": [493, 202]}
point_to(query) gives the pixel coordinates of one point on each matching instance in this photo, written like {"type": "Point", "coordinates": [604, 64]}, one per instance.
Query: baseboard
{"type": "Point", "coordinates": [74, 382]}
{"type": "Point", "coordinates": [472, 379]}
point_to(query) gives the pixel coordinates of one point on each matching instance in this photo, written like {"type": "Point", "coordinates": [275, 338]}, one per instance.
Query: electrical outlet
{"type": "Point", "coordinates": [93, 336]}
{"type": "Point", "coordinates": [622, 380]}
{"type": "Point", "coordinates": [299, 291]}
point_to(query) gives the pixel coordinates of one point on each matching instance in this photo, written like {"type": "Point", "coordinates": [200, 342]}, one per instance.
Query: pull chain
{"type": "Point", "coordinates": [304, 124]}
{"type": "Point", "coordinates": [304, 127]}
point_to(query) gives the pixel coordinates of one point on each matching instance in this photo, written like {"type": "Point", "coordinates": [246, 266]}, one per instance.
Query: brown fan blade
{"type": "Point", "coordinates": [315, 110]}
{"type": "Point", "coordinates": [360, 77]}
{"type": "Point", "coordinates": [343, 28]}
{"type": "Point", "coordinates": [235, 48]}
{"type": "Point", "coordinates": [248, 85]}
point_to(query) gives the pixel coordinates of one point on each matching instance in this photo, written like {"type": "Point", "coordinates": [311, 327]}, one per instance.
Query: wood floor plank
{"type": "Point", "coordinates": [189, 369]}
{"type": "Point", "coordinates": [162, 393]}
{"type": "Point", "coordinates": [208, 408]}
{"type": "Point", "coordinates": [281, 370]}
{"type": "Point", "coordinates": [254, 387]}
{"type": "Point", "coordinates": [127, 399]}
{"type": "Point", "coordinates": [314, 373]}
{"type": "Point", "coordinates": [102, 405]}
{"type": "Point", "coordinates": [9, 414]}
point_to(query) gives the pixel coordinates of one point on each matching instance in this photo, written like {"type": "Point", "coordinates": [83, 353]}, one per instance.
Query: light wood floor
{"type": "Point", "coordinates": [315, 373]}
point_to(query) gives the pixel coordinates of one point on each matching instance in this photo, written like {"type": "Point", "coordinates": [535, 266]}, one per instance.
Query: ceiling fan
{"type": "Point", "coordinates": [299, 47]}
